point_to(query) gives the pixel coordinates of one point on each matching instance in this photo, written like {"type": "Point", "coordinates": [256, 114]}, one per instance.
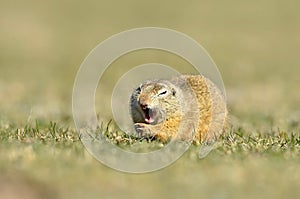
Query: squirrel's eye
{"type": "Point", "coordinates": [163, 92]}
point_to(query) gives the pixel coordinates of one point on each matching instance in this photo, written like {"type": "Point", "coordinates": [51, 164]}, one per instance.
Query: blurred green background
{"type": "Point", "coordinates": [254, 43]}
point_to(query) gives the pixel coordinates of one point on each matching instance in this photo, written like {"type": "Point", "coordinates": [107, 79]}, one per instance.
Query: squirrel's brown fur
{"type": "Point", "coordinates": [158, 107]}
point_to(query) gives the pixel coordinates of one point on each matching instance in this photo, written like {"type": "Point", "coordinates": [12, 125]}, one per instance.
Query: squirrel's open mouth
{"type": "Point", "coordinates": [149, 115]}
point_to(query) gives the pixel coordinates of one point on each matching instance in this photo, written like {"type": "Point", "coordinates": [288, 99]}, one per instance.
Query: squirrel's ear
{"type": "Point", "coordinates": [138, 90]}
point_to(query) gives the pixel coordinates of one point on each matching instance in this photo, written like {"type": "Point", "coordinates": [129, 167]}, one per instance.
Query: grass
{"type": "Point", "coordinates": [232, 142]}
{"type": "Point", "coordinates": [40, 154]}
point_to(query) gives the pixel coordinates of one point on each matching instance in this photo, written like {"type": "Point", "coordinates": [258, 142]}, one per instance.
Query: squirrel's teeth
{"type": "Point", "coordinates": [148, 115]}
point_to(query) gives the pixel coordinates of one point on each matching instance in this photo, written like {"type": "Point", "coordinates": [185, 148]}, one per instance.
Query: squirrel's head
{"type": "Point", "coordinates": [152, 101]}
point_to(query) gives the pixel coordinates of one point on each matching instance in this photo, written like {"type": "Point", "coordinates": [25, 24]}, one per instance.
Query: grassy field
{"type": "Point", "coordinates": [255, 45]}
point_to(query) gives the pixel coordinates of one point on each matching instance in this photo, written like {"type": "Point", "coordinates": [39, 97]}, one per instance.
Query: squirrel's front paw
{"type": "Point", "coordinates": [143, 130]}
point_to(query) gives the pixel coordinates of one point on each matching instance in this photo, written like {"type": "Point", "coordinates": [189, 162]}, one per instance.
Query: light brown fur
{"type": "Point", "coordinates": [159, 106]}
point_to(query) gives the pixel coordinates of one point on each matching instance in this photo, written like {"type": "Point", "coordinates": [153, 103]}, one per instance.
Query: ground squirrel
{"type": "Point", "coordinates": [158, 107]}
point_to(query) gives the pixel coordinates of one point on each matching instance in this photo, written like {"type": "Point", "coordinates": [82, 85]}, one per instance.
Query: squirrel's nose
{"type": "Point", "coordinates": [144, 101]}
{"type": "Point", "coordinates": [144, 107]}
